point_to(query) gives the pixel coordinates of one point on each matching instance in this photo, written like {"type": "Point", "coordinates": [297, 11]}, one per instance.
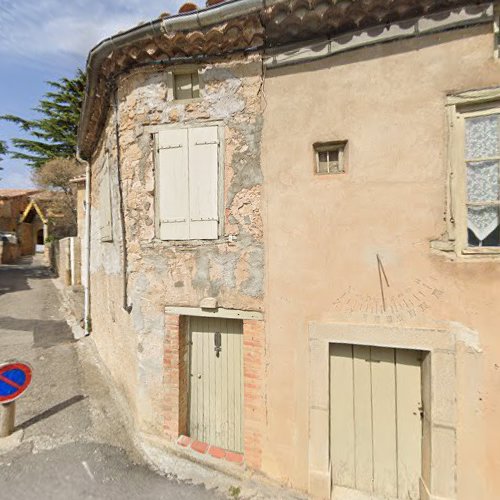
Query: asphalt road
{"type": "Point", "coordinates": [74, 444]}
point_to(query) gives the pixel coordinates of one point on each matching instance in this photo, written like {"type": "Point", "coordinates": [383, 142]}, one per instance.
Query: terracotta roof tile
{"type": "Point", "coordinates": [188, 7]}
{"type": "Point", "coordinates": [13, 193]}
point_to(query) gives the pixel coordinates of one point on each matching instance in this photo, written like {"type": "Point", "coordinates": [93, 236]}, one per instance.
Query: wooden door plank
{"type": "Point", "coordinates": [212, 399]}
{"type": "Point", "coordinates": [224, 387]}
{"type": "Point", "coordinates": [409, 424]}
{"type": "Point", "coordinates": [363, 418]}
{"type": "Point", "coordinates": [384, 422]}
{"type": "Point", "coordinates": [342, 415]}
{"type": "Point", "coordinates": [201, 380]}
{"type": "Point", "coordinates": [206, 380]}
{"type": "Point", "coordinates": [193, 379]}
{"type": "Point", "coordinates": [238, 398]}
{"type": "Point", "coordinates": [218, 360]}
{"type": "Point", "coordinates": [231, 392]}
{"type": "Point", "coordinates": [242, 388]}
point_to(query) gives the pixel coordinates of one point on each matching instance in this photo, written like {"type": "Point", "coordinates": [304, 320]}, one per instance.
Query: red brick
{"type": "Point", "coordinates": [184, 441]}
{"type": "Point", "coordinates": [199, 447]}
{"type": "Point", "coordinates": [217, 452]}
{"type": "Point", "coordinates": [234, 457]}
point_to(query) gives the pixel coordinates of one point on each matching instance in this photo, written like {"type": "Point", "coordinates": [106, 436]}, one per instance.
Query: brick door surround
{"type": "Point", "coordinates": [176, 383]}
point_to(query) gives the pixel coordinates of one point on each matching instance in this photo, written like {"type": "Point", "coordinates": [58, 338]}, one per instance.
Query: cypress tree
{"type": "Point", "coordinates": [3, 151]}
{"type": "Point", "coordinates": [53, 134]}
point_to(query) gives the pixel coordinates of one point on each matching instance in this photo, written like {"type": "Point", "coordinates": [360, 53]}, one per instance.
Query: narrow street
{"type": "Point", "coordinates": [70, 441]}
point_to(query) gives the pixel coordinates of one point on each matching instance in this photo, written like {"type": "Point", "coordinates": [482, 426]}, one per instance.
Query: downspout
{"type": "Point", "coordinates": [86, 301]}
{"type": "Point", "coordinates": [125, 304]}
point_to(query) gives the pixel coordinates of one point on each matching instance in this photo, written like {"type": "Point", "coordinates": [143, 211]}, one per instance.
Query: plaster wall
{"type": "Point", "coordinates": [323, 233]}
{"type": "Point", "coordinates": [80, 208]}
{"type": "Point", "coordinates": [10, 211]}
{"type": "Point", "coordinates": [161, 273]}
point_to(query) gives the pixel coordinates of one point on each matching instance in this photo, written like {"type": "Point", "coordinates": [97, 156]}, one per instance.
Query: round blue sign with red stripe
{"type": "Point", "coordinates": [14, 380]}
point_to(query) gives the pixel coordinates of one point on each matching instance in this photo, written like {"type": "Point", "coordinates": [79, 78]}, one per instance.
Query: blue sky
{"type": "Point", "coordinates": [43, 40]}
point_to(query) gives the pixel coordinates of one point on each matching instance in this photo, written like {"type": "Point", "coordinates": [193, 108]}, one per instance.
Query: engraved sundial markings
{"type": "Point", "coordinates": [392, 304]}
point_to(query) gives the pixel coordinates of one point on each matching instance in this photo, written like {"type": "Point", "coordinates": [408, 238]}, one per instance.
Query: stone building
{"type": "Point", "coordinates": [295, 239]}
{"type": "Point", "coordinates": [22, 216]}
{"type": "Point", "coordinates": [13, 202]}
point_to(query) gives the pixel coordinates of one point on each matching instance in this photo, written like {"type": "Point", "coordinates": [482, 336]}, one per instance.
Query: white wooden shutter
{"type": "Point", "coordinates": [105, 224]}
{"type": "Point", "coordinates": [173, 184]}
{"type": "Point", "coordinates": [203, 183]}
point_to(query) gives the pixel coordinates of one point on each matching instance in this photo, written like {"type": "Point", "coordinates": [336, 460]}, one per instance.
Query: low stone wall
{"type": "Point", "coordinates": [65, 259]}
{"type": "Point", "coordinates": [9, 252]}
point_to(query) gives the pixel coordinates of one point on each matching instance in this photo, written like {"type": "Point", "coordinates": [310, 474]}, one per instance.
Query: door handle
{"type": "Point", "coordinates": [217, 343]}
{"type": "Point", "coordinates": [420, 410]}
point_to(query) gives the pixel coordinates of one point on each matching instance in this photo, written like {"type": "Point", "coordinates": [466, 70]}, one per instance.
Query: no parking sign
{"type": "Point", "coordinates": [15, 377]}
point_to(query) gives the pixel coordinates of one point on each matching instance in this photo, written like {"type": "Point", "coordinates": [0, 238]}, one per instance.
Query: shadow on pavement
{"type": "Point", "coordinates": [46, 332]}
{"type": "Point", "coordinates": [11, 280]}
{"type": "Point", "coordinates": [51, 411]}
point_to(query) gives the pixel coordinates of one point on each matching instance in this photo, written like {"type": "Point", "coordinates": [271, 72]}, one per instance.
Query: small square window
{"type": "Point", "coordinates": [186, 85]}
{"type": "Point", "coordinates": [330, 157]}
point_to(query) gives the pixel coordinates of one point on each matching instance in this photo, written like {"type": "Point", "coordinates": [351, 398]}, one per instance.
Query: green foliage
{"type": "Point", "coordinates": [3, 151]}
{"type": "Point", "coordinates": [53, 135]}
{"type": "Point", "coordinates": [234, 492]}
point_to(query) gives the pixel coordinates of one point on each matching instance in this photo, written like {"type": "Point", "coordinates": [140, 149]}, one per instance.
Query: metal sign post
{"type": "Point", "coordinates": [15, 378]}
{"type": "Point", "coordinates": [7, 418]}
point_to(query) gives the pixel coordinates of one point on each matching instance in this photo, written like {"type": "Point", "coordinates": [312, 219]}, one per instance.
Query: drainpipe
{"type": "Point", "coordinates": [86, 303]}
{"type": "Point", "coordinates": [125, 305]}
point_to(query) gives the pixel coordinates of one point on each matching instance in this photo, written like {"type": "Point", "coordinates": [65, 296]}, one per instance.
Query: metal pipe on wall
{"type": "Point", "coordinates": [86, 303]}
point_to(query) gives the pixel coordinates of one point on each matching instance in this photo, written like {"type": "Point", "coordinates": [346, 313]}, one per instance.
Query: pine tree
{"type": "Point", "coordinates": [3, 151]}
{"type": "Point", "coordinates": [54, 133]}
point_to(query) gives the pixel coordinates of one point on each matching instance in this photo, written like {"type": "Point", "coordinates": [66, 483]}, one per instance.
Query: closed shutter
{"type": "Point", "coordinates": [173, 184]}
{"type": "Point", "coordinates": [203, 183]}
{"type": "Point", "coordinates": [105, 224]}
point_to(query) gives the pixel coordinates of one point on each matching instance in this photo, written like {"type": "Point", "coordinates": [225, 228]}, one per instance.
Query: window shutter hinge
{"type": "Point", "coordinates": [170, 147]}
{"type": "Point", "coordinates": [206, 143]}
{"type": "Point", "coordinates": [166, 221]}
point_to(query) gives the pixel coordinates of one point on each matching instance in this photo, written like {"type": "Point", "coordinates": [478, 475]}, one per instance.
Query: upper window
{"type": "Point", "coordinates": [186, 85]}
{"type": "Point", "coordinates": [482, 160]}
{"type": "Point", "coordinates": [473, 202]}
{"type": "Point", "coordinates": [188, 183]}
{"type": "Point", "coordinates": [329, 157]}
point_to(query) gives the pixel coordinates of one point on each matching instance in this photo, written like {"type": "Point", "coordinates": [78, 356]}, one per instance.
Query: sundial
{"type": "Point", "coordinates": [395, 300]}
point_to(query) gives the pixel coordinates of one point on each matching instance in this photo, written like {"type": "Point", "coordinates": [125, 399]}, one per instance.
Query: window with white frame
{"type": "Point", "coordinates": [482, 162]}
{"type": "Point", "coordinates": [474, 187]}
{"type": "Point", "coordinates": [188, 183]}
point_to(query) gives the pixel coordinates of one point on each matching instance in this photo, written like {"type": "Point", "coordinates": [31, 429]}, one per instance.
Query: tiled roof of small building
{"type": "Point", "coordinates": [14, 193]}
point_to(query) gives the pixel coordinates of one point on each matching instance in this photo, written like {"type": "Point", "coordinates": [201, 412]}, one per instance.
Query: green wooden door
{"type": "Point", "coordinates": [375, 422]}
{"type": "Point", "coordinates": [216, 382]}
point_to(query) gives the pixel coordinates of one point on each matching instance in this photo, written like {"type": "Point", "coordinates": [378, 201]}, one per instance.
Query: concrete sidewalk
{"type": "Point", "coordinates": [70, 441]}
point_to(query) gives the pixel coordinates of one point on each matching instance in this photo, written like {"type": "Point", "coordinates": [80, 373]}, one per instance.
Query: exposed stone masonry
{"type": "Point", "coordinates": [175, 273]}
